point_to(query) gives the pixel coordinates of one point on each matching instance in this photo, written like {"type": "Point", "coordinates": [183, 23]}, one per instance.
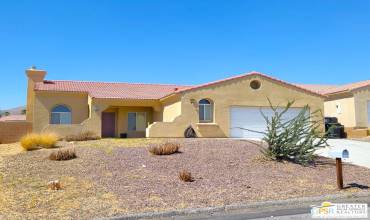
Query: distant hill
{"type": "Point", "coordinates": [14, 111]}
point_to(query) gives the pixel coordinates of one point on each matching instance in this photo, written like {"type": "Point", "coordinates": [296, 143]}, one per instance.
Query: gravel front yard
{"type": "Point", "coordinates": [127, 179]}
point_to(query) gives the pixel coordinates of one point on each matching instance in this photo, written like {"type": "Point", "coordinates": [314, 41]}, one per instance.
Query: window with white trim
{"type": "Point", "coordinates": [205, 111]}
{"type": "Point", "coordinates": [61, 114]}
{"type": "Point", "coordinates": [136, 121]}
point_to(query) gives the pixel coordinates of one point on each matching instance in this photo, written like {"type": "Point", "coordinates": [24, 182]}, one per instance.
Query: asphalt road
{"type": "Point", "coordinates": [281, 213]}
{"type": "Point", "coordinates": [288, 214]}
{"type": "Point", "coordinates": [248, 215]}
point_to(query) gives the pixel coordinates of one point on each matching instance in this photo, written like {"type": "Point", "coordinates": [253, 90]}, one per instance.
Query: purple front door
{"type": "Point", "coordinates": [108, 120]}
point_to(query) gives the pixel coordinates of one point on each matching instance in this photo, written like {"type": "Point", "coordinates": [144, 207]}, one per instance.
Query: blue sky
{"type": "Point", "coordinates": [182, 42]}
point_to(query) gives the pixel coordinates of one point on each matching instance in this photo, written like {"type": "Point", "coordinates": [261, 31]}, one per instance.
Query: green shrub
{"type": "Point", "coordinates": [294, 140]}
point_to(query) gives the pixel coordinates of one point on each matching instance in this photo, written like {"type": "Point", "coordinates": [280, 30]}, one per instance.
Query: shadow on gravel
{"type": "Point", "coordinates": [355, 185]}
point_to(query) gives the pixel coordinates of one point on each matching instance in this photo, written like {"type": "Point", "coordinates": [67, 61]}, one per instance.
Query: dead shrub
{"type": "Point", "coordinates": [84, 136]}
{"type": "Point", "coordinates": [261, 158]}
{"type": "Point", "coordinates": [185, 176]}
{"type": "Point", "coordinates": [164, 149]}
{"type": "Point", "coordinates": [63, 154]}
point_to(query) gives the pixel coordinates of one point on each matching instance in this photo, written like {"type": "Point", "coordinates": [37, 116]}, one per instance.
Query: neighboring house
{"type": "Point", "coordinates": [349, 103]}
{"type": "Point", "coordinates": [13, 118]}
{"type": "Point", "coordinates": [214, 109]}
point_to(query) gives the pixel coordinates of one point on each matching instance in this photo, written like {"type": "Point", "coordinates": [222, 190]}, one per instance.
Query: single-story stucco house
{"type": "Point", "coordinates": [214, 109]}
{"type": "Point", "coordinates": [349, 103]}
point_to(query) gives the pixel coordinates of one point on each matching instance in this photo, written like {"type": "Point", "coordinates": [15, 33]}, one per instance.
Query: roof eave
{"type": "Point", "coordinates": [56, 91]}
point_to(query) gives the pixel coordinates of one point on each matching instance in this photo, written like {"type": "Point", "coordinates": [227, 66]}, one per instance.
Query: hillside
{"type": "Point", "coordinates": [14, 111]}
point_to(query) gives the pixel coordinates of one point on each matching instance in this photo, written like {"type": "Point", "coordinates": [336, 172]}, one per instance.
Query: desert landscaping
{"type": "Point", "coordinates": [113, 177]}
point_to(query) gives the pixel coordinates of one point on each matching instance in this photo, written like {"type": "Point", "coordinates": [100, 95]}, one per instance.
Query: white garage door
{"type": "Point", "coordinates": [251, 118]}
{"type": "Point", "coordinates": [368, 113]}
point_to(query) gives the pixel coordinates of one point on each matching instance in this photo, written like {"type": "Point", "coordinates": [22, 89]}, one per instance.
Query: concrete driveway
{"type": "Point", "coordinates": [359, 151]}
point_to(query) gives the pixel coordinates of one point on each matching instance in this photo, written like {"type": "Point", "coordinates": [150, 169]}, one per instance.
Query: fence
{"type": "Point", "coordinates": [12, 131]}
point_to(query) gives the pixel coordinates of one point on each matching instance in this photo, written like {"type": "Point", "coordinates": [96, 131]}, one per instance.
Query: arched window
{"type": "Point", "coordinates": [205, 111]}
{"type": "Point", "coordinates": [61, 114]}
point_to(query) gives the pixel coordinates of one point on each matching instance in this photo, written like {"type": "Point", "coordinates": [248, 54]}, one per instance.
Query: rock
{"type": "Point", "coordinates": [190, 133]}
{"type": "Point", "coordinates": [54, 185]}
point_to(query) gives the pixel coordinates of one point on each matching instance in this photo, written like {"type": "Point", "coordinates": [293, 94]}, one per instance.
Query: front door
{"type": "Point", "coordinates": [108, 124]}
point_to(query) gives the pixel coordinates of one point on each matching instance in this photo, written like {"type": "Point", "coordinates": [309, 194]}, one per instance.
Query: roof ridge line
{"type": "Point", "coordinates": [133, 83]}
{"type": "Point", "coordinates": [251, 74]}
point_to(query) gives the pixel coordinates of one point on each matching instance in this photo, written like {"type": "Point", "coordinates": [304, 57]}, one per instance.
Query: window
{"type": "Point", "coordinates": [61, 115]}
{"type": "Point", "coordinates": [255, 84]}
{"type": "Point", "coordinates": [205, 111]}
{"type": "Point", "coordinates": [136, 121]}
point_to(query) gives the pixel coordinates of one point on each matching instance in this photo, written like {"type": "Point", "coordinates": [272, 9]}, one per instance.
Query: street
{"type": "Point", "coordinates": [297, 211]}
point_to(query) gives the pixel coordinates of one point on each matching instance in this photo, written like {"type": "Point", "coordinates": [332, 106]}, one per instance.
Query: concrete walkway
{"type": "Point", "coordinates": [359, 151]}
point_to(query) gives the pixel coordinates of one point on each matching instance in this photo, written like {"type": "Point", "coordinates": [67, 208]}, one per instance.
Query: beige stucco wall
{"type": "Point", "coordinates": [171, 108]}
{"type": "Point", "coordinates": [353, 105]}
{"type": "Point", "coordinates": [362, 96]}
{"type": "Point", "coordinates": [347, 115]}
{"type": "Point", "coordinates": [45, 101]}
{"type": "Point", "coordinates": [231, 93]}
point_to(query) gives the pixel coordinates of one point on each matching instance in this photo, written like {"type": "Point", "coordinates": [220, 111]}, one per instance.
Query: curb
{"type": "Point", "coordinates": [238, 207]}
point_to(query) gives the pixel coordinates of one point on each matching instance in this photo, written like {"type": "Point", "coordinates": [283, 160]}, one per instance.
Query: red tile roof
{"type": "Point", "coordinates": [142, 91]}
{"type": "Point", "coordinates": [350, 87]}
{"type": "Point", "coordinates": [13, 118]}
{"type": "Point", "coordinates": [322, 89]}
{"type": "Point", "coordinates": [327, 90]}
{"type": "Point", "coordinates": [109, 90]}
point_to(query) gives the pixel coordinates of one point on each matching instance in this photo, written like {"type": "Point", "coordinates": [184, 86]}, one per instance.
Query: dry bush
{"type": "Point", "coordinates": [30, 142]}
{"type": "Point", "coordinates": [261, 158]}
{"type": "Point", "coordinates": [164, 149]}
{"type": "Point", "coordinates": [36, 141]}
{"type": "Point", "coordinates": [63, 154]}
{"type": "Point", "coordinates": [84, 136]}
{"type": "Point", "coordinates": [185, 176]}
{"type": "Point", "coordinates": [48, 140]}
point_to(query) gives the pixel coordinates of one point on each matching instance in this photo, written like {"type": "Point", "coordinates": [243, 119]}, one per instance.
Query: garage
{"type": "Point", "coordinates": [252, 119]}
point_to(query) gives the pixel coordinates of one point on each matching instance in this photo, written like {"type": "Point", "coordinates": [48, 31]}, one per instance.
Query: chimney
{"type": "Point", "coordinates": [35, 75]}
